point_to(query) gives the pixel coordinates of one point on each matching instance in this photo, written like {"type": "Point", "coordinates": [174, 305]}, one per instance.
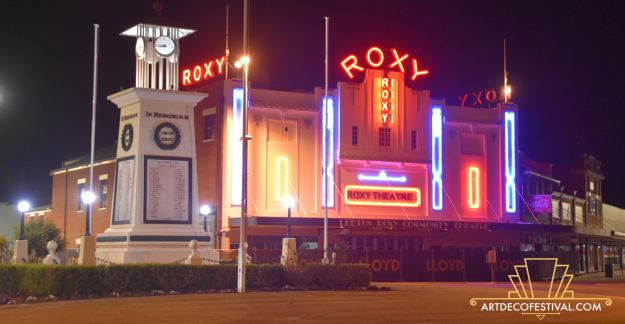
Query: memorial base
{"type": "Point", "coordinates": [128, 249]}
{"type": "Point", "coordinates": [20, 252]}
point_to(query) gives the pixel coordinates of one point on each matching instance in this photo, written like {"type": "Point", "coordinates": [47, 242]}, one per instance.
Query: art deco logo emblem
{"type": "Point", "coordinates": [167, 136]}
{"type": "Point", "coordinates": [534, 294]}
{"type": "Point", "coordinates": [127, 137]}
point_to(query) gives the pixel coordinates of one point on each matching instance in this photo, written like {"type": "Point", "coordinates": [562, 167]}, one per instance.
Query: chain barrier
{"type": "Point", "coordinates": [105, 261]}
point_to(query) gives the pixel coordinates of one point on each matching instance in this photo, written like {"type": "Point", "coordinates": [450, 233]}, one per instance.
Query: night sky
{"type": "Point", "coordinates": [565, 59]}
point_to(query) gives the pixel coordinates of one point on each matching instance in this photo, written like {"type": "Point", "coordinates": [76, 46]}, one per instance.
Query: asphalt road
{"type": "Point", "coordinates": [405, 303]}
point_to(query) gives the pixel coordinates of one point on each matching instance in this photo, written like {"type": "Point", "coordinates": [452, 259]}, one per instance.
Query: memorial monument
{"type": "Point", "coordinates": [155, 210]}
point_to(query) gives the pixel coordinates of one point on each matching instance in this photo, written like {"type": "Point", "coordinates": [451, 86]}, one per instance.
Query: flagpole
{"type": "Point", "coordinates": [93, 112]}
{"type": "Point", "coordinates": [325, 162]}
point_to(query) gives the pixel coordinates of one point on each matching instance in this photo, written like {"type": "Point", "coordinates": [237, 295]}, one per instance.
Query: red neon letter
{"type": "Point", "coordinates": [416, 72]}
{"type": "Point", "coordinates": [462, 99]}
{"type": "Point", "coordinates": [398, 59]}
{"type": "Point", "coordinates": [197, 73]}
{"type": "Point", "coordinates": [186, 77]}
{"type": "Point", "coordinates": [491, 95]}
{"type": "Point", "coordinates": [208, 73]}
{"type": "Point", "coordinates": [353, 65]}
{"type": "Point", "coordinates": [220, 64]}
{"type": "Point", "coordinates": [379, 51]}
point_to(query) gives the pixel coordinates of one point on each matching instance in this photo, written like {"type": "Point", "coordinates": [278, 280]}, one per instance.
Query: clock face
{"type": "Point", "coordinates": [165, 46]}
{"type": "Point", "coordinates": [140, 47]}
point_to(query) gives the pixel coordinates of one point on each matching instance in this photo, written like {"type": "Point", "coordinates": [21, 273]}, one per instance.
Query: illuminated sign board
{"type": "Point", "coordinates": [375, 59]}
{"type": "Point", "coordinates": [540, 204]}
{"type": "Point", "coordinates": [382, 196]}
{"type": "Point", "coordinates": [204, 71]}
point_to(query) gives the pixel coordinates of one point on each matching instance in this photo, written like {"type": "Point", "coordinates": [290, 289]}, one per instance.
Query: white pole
{"type": "Point", "coordinates": [505, 73]}
{"type": "Point", "coordinates": [243, 226]}
{"type": "Point", "coordinates": [95, 91]}
{"type": "Point", "coordinates": [325, 162]}
{"type": "Point", "coordinates": [227, 48]}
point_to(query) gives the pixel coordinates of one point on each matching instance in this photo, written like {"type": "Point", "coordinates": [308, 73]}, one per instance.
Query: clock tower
{"type": "Point", "coordinates": [155, 200]}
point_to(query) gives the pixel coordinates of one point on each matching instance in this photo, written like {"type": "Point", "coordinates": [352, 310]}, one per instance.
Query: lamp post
{"type": "Point", "coordinates": [23, 206]}
{"type": "Point", "coordinates": [20, 252]}
{"type": "Point", "coordinates": [288, 202]}
{"type": "Point", "coordinates": [205, 210]}
{"type": "Point", "coordinates": [88, 198]}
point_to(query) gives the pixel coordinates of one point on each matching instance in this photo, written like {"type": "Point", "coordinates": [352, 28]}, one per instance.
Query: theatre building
{"type": "Point", "coordinates": [418, 188]}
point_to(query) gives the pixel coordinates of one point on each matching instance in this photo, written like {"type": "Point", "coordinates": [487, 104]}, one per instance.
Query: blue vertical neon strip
{"type": "Point", "coordinates": [237, 147]}
{"type": "Point", "coordinates": [437, 159]}
{"type": "Point", "coordinates": [327, 179]}
{"type": "Point", "coordinates": [510, 149]}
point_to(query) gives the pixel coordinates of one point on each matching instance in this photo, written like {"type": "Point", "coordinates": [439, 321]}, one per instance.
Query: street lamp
{"type": "Point", "coordinates": [288, 202]}
{"type": "Point", "coordinates": [23, 206]}
{"type": "Point", "coordinates": [88, 198]}
{"type": "Point", "coordinates": [205, 210]}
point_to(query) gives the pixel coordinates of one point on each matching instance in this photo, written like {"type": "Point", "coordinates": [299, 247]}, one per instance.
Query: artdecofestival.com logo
{"type": "Point", "coordinates": [533, 295]}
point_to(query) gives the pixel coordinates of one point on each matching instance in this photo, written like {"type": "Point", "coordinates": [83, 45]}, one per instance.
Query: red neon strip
{"type": "Point", "coordinates": [474, 187]}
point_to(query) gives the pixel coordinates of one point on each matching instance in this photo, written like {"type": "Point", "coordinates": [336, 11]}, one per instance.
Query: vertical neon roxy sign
{"type": "Point", "coordinates": [510, 149]}
{"type": "Point", "coordinates": [387, 101]}
{"type": "Point", "coordinates": [437, 159]}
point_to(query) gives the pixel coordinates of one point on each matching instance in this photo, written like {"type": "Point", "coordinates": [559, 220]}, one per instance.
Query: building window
{"type": "Point", "coordinates": [413, 137]}
{"type": "Point", "coordinates": [385, 136]}
{"type": "Point", "coordinates": [354, 135]}
{"type": "Point", "coordinates": [209, 126]}
{"type": "Point", "coordinates": [103, 192]}
{"type": "Point", "coordinates": [82, 187]}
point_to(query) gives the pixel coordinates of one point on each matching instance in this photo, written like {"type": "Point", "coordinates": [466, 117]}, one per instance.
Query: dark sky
{"type": "Point", "coordinates": [566, 64]}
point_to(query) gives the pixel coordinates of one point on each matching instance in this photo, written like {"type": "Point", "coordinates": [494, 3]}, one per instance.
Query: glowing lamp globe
{"type": "Point", "coordinates": [288, 202]}
{"type": "Point", "coordinates": [87, 197]}
{"type": "Point", "coordinates": [23, 206]}
{"type": "Point", "coordinates": [205, 210]}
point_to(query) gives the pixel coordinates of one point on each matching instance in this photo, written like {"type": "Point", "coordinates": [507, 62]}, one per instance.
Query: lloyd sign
{"type": "Point", "coordinates": [382, 196]}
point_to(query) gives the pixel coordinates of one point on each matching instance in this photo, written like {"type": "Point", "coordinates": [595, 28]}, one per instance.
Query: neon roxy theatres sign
{"type": "Point", "coordinates": [376, 59]}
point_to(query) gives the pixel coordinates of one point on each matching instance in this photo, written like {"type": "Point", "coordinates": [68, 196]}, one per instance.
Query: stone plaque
{"type": "Point", "coordinates": [124, 179]}
{"type": "Point", "coordinates": [167, 195]}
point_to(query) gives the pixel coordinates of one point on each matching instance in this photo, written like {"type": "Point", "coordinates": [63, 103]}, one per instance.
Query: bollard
{"type": "Point", "coordinates": [194, 257]}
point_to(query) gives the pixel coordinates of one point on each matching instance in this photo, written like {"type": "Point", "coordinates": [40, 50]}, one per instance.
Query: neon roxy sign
{"type": "Point", "coordinates": [204, 71]}
{"type": "Point", "coordinates": [375, 59]}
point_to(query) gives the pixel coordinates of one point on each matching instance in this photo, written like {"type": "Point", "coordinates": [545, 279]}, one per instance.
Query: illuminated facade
{"type": "Point", "coordinates": [395, 159]}
{"type": "Point", "coordinates": [403, 173]}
